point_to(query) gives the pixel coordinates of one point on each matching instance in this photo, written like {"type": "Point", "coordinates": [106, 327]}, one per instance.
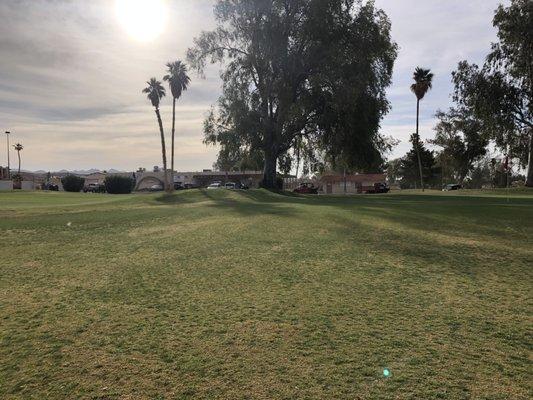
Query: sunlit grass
{"type": "Point", "coordinates": [240, 295]}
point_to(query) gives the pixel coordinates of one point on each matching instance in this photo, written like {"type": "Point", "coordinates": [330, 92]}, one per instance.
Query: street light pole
{"type": "Point", "coordinates": [8, 163]}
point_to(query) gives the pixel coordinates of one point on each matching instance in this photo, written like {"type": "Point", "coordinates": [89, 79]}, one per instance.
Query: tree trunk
{"type": "Point", "coordinates": [297, 158]}
{"type": "Point", "coordinates": [417, 144]}
{"type": "Point", "coordinates": [18, 154]}
{"type": "Point", "coordinates": [173, 131]}
{"type": "Point", "coordinates": [529, 174]}
{"type": "Point", "coordinates": [269, 171]}
{"type": "Point", "coordinates": [163, 148]}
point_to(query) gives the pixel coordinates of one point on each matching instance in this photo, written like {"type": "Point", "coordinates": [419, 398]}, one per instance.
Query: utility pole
{"type": "Point", "coordinates": [8, 163]}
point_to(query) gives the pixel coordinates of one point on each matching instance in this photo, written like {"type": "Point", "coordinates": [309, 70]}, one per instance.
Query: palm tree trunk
{"type": "Point", "coordinates": [163, 148]}
{"type": "Point", "coordinates": [417, 144]}
{"type": "Point", "coordinates": [18, 153]}
{"type": "Point", "coordinates": [173, 131]}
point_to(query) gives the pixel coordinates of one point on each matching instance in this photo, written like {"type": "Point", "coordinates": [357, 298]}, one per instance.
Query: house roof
{"type": "Point", "coordinates": [358, 178]}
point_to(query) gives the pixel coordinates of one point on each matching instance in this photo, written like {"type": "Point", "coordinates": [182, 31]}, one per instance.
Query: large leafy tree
{"type": "Point", "coordinates": [459, 136]}
{"type": "Point", "coordinates": [178, 81]}
{"type": "Point", "coordinates": [155, 92]}
{"type": "Point", "coordinates": [423, 83]}
{"type": "Point", "coordinates": [298, 68]}
{"type": "Point", "coordinates": [500, 93]}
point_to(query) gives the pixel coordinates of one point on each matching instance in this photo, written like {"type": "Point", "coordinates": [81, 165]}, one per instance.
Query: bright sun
{"type": "Point", "coordinates": [143, 20]}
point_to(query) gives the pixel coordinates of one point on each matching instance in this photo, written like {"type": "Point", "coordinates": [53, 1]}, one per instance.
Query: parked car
{"type": "Point", "coordinates": [156, 188]}
{"type": "Point", "coordinates": [306, 188]}
{"type": "Point", "coordinates": [379, 188]}
{"type": "Point", "coordinates": [51, 186]}
{"type": "Point", "coordinates": [231, 185]}
{"type": "Point", "coordinates": [451, 186]}
{"type": "Point", "coordinates": [215, 185]}
{"type": "Point", "coordinates": [190, 186]}
{"type": "Point", "coordinates": [178, 186]}
{"type": "Point", "coordinates": [94, 188]}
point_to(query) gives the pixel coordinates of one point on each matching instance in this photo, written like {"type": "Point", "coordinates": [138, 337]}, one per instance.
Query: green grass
{"type": "Point", "coordinates": [254, 295]}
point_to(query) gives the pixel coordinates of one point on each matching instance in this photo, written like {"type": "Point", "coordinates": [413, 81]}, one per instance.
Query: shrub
{"type": "Point", "coordinates": [72, 183]}
{"type": "Point", "coordinates": [16, 178]}
{"type": "Point", "coordinates": [117, 184]}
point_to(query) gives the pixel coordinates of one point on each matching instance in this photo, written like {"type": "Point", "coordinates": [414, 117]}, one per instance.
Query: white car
{"type": "Point", "coordinates": [156, 188]}
{"type": "Point", "coordinates": [214, 185]}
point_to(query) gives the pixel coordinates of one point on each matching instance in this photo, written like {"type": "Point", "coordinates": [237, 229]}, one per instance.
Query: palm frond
{"type": "Point", "coordinates": [155, 91]}
{"type": "Point", "coordinates": [423, 82]}
{"type": "Point", "coordinates": [177, 78]}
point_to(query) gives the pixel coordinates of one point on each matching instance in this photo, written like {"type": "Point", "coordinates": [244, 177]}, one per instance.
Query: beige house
{"type": "Point", "coordinates": [350, 184]}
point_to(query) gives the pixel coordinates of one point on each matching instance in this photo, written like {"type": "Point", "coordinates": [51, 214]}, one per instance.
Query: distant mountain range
{"type": "Point", "coordinates": [76, 172]}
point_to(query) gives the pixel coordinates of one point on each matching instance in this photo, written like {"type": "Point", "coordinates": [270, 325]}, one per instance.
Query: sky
{"type": "Point", "coordinates": [72, 71]}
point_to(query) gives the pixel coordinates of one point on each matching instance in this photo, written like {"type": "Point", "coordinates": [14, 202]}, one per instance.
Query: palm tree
{"type": "Point", "coordinates": [18, 147]}
{"type": "Point", "coordinates": [156, 92]}
{"type": "Point", "coordinates": [178, 81]}
{"type": "Point", "coordinates": [423, 82]}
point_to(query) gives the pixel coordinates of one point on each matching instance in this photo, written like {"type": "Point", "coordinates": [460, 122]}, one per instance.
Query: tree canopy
{"type": "Point", "coordinates": [499, 94]}
{"type": "Point", "coordinates": [458, 134]}
{"type": "Point", "coordinates": [299, 68]}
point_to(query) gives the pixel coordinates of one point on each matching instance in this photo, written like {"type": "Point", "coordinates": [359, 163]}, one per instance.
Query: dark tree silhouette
{"type": "Point", "coordinates": [178, 81]}
{"type": "Point", "coordinates": [423, 82]}
{"type": "Point", "coordinates": [295, 69]}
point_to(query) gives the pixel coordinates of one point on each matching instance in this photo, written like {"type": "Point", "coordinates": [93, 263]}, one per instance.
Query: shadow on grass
{"type": "Point", "coordinates": [263, 201]}
{"type": "Point", "coordinates": [467, 236]}
{"type": "Point", "coordinates": [241, 202]}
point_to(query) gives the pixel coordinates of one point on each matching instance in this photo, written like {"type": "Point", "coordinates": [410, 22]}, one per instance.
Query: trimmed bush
{"type": "Point", "coordinates": [117, 184]}
{"type": "Point", "coordinates": [72, 183]}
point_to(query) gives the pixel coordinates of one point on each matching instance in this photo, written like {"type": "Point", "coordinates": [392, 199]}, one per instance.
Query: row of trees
{"type": "Point", "coordinates": [178, 81]}
{"type": "Point", "coordinates": [492, 106]}
{"type": "Point", "coordinates": [304, 83]}
{"type": "Point", "coordinates": [114, 184]}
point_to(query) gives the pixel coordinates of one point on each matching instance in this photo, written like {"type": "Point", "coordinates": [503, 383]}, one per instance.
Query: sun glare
{"type": "Point", "coordinates": [143, 20]}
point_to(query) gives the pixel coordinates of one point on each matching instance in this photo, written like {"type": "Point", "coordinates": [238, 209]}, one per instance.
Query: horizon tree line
{"type": "Point", "coordinates": [287, 98]}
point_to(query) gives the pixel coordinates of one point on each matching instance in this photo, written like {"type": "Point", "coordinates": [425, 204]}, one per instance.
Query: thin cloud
{"type": "Point", "coordinates": [71, 79]}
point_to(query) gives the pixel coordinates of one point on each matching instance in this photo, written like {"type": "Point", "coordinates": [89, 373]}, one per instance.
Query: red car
{"type": "Point", "coordinates": [306, 188]}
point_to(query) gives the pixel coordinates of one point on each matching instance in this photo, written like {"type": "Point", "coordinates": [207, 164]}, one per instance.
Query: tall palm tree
{"type": "Point", "coordinates": [18, 147]}
{"type": "Point", "coordinates": [423, 82]}
{"type": "Point", "coordinates": [178, 81]}
{"type": "Point", "coordinates": [156, 92]}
